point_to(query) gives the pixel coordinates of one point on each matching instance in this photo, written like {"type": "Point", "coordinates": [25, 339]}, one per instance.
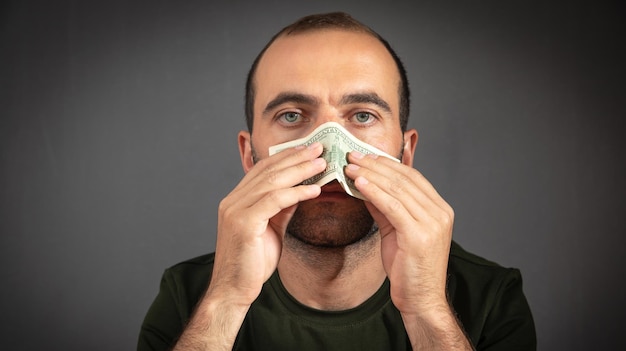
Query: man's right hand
{"type": "Point", "coordinates": [252, 221]}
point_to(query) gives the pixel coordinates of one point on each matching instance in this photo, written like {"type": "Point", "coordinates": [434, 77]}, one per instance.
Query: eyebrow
{"type": "Point", "coordinates": [299, 98]}
{"type": "Point", "coordinates": [367, 98]}
{"type": "Point", "coordinates": [292, 97]}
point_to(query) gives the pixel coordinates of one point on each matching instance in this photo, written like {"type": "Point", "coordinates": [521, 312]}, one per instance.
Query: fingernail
{"type": "Point", "coordinates": [357, 154]}
{"type": "Point", "coordinates": [314, 145]}
{"type": "Point", "coordinates": [361, 181]}
{"type": "Point", "coordinates": [353, 167]}
{"type": "Point", "coordinates": [319, 161]}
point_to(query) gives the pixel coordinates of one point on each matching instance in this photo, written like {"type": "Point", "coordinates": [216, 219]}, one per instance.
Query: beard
{"type": "Point", "coordinates": [331, 224]}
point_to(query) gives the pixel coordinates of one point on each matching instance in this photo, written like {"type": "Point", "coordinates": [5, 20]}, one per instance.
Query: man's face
{"type": "Point", "coordinates": [305, 80]}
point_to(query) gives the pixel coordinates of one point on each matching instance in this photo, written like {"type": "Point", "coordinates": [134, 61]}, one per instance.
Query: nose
{"type": "Point", "coordinates": [325, 115]}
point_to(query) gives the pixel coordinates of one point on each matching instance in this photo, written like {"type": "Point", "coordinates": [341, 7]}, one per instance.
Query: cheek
{"type": "Point", "coordinates": [387, 141]}
{"type": "Point", "coordinates": [259, 150]}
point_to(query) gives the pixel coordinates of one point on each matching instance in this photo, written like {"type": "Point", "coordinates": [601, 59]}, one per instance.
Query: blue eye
{"type": "Point", "coordinates": [290, 117]}
{"type": "Point", "coordinates": [363, 117]}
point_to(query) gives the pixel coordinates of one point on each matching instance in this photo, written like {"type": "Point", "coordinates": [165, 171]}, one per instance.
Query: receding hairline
{"type": "Point", "coordinates": [337, 21]}
{"type": "Point", "coordinates": [313, 30]}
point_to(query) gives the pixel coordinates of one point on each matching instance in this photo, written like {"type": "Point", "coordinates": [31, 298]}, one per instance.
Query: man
{"type": "Point", "coordinates": [304, 267]}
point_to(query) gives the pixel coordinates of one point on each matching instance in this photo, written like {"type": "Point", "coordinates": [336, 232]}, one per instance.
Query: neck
{"type": "Point", "coordinates": [331, 278]}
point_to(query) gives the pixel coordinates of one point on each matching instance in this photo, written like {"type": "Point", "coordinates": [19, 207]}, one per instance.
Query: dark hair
{"type": "Point", "coordinates": [334, 20]}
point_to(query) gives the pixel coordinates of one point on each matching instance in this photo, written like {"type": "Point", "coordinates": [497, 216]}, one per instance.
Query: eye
{"type": "Point", "coordinates": [289, 117]}
{"type": "Point", "coordinates": [363, 117]}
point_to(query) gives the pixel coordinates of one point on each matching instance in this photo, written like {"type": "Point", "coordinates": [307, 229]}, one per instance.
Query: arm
{"type": "Point", "coordinates": [214, 325]}
{"type": "Point", "coordinates": [251, 223]}
{"type": "Point", "coordinates": [416, 232]}
{"type": "Point", "coordinates": [439, 330]}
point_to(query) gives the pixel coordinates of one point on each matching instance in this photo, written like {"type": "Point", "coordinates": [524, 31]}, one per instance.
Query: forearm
{"type": "Point", "coordinates": [436, 330]}
{"type": "Point", "coordinates": [214, 326]}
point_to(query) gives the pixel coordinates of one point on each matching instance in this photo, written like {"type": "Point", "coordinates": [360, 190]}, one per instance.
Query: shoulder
{"type": "Point", "coordinates": [480, 284]}
{"type": "Point", "coordinates": [200, 262]}
{"type": "Point", "coordinates": [181, 287]}
{"type": "Point", "coordinates": [489, 301]}
{"type": "Point", "coordinates": [191, 276]}
{"type": "Point", "coordinates": [463, 262]}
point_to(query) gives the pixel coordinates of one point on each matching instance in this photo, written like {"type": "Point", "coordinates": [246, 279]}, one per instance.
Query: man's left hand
{"type": "Point", "coordinates": [416, 230]}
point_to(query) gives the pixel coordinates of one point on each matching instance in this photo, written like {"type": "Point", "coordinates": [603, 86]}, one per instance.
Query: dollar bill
{"type": "Point", "coordinates": [337, 143]}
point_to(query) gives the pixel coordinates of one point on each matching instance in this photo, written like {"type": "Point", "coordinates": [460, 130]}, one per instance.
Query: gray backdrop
{"type": "Point", "coordinates": [118, 140]}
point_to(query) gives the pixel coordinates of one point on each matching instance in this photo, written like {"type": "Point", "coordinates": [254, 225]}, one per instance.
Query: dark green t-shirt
{"type": "Point", "coordinates": [487, 298]}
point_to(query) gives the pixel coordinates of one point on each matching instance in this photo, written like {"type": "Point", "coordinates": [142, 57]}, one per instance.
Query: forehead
{"type": "Point", "coordinates": [327, 62]}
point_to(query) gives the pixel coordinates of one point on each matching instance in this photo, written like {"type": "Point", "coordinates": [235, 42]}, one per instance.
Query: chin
{"type": "Point", "coordinates": [328, 222]}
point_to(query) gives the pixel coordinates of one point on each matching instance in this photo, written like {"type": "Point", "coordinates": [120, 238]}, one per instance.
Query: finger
{"type": "Point", "coordinates": [395, 186]}
{"type": "Point", "coordinates": [275, 201]}
{"type": "Point", "coordinates": [399, 178]}
{"type": "Point", "coordinates": [280, 221]}
{"type": "Point", "coordinates": [395, 210]}
{"type": "Point", "coordinates": [414, 225]}
{"type": "Point", "coordinates": [276, 173]}
{"type": "Point", "coordinates": [285, 159]}
{"type": "Point", "coordinates": [390, 190]}
{"type": "Point", "coordinates": [282, 179]}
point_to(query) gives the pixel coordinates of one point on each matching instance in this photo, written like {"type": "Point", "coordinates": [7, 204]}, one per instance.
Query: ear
{"type": "Point", "coordinates": [410, 142]}
{"type": "Point", "coordinates": [245, 150]}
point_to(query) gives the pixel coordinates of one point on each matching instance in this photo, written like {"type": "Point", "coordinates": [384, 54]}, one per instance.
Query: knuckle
{"type": "Point", "coordinates": [226, 211]}
{"type": "Point", "coordinates": [442, 221]}
{"type": "Point", "coordinates": [223, 206]}
{"type": "Point", "coordinates": [394, 205]}
{"type": "Point", "coordinates": [271, 175]}
{"type": "Point", "coordinates": [437, 227]}
{"type": "Point", "coordinates": [303, 166]}
{"type": "Point", "coordinates": [397, 185]}
{"type": "Point", "coordinates": [273, 197]}
{"type": "Point", "coordinates": [447, 216]}
{"type": "Point", "coordinates": [450, 211]}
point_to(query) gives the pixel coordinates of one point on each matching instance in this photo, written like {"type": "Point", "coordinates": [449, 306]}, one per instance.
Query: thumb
{"type": "Point", "coordinates": [280, 221]}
